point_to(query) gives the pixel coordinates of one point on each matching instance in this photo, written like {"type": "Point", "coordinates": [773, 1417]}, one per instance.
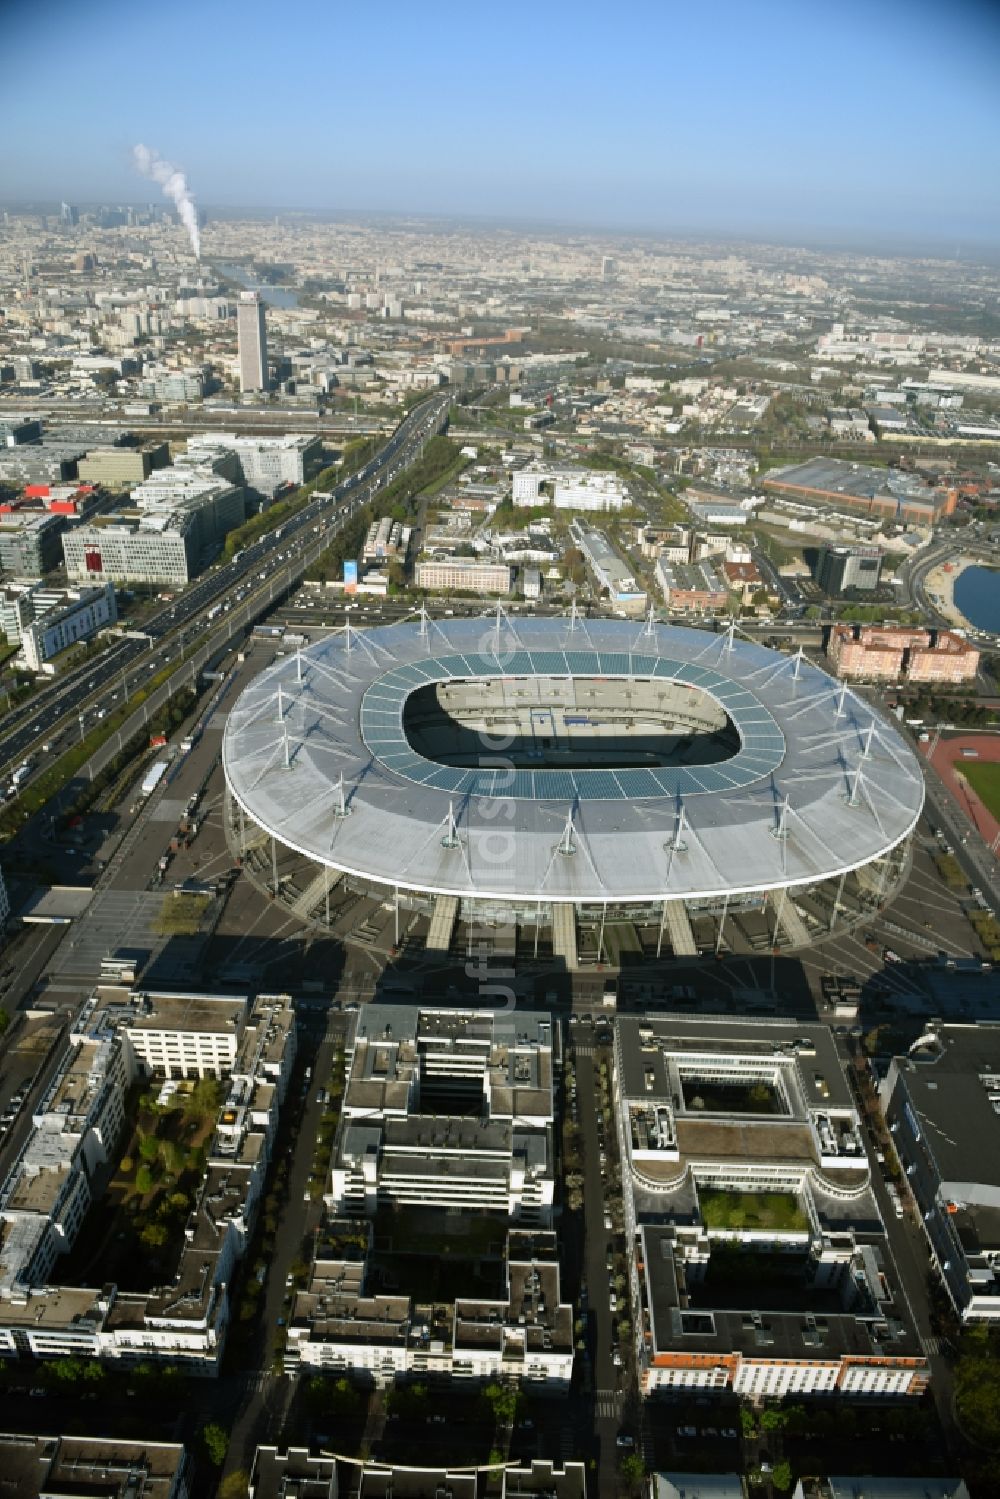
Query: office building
{"type": "Point", "coordinates": [30, 544]}
{"type": "Point", "coordinates": [758, 1261]}
{"type": "Point", "coordinates": [157, 551]}
{"type": "Point", "coordinates": [844, 569]}
{"type": "Point", "coordinates": [15, 430]}
{"type": "Point", "coordinates": [177, 520]}
{"type": "Point", "coordinates": [942, 1105]}
{"type": "Point", "coordinates": [463, 575]}
{"type": "Point", "coordinates": [119, 467]}
{"type": "Point", "coordinates": [251, 330]}
{"type": "Point", "coordinates": [267, 464]}
{"type": "Point", "coordinates": [568, 489]}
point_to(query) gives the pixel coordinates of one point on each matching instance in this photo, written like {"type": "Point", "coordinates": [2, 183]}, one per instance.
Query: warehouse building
{"type": "Point", "coordinates": [885, 493]}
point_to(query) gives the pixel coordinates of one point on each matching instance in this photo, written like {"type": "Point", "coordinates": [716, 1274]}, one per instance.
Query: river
{"type": "Point", "coordinates": [977, 596]}
{"type": "Point", "coordinates": [274, 296]}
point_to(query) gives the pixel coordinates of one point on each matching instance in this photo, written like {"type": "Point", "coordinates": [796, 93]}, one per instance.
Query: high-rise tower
{"type": "Point", "coordinates": [252, 332]}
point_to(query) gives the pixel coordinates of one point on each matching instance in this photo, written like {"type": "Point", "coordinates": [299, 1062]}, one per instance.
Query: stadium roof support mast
{"type": "Point", "coordinates": [342, 809]}
{"type": "Point", "coordinates": [450, 839]}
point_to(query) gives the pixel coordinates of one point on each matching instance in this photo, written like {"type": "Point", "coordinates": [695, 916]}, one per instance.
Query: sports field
{"type": "Point", "coordinates": [984, 778]}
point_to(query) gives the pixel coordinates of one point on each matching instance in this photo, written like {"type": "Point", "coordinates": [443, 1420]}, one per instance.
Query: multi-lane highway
{"type": "Point", "coordinates": [111, 678]}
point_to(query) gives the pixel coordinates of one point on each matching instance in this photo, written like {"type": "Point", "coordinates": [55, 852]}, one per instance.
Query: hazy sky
{"type": "Point", "coordinates": [781, 117]}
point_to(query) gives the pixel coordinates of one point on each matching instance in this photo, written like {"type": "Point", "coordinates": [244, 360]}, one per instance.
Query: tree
{"type": "Point", "coordinates": [154, 1236]}
{"type": "Point", "coordinates": [149, 1149]}
{"type": "Point", "coordinates": [782, 1476]}
{"type": "Point", "coordinates": [772, 1419]}
{"type": "Point", "coordinates": [632, 1469]}
{"type": "Point", "coordinates": [216, 1441]}
{"type": "Point", "coordinates": [235, 1485]}
{"type": "Point", "coordinates": [504, 1402]}
{"type": "Point", "coordinates": [144, 1180]}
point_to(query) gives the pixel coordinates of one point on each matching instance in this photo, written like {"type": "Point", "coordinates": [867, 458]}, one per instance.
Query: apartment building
{"type": "Point", "coordinates": [447, 1109]}
{"type": "Point", "coordinates": [341, 1324]}
{"type": "Point", "coordinates": [46, 622]}
{"type": "Point", "coordinates": [386, 539]}
{"type": "Point", "coordinates": [942, 1104]}
{"type": "Point", "coordinates": [463, 575]}
{"type": "Point", "coordinates": [118, 1037]}
{"type": "Point", "coordinates": [871, 653]}
{"type": "Point", "coordinates": [43, 1467]}
{"type": "Point", "coordinates": [757, 1256]}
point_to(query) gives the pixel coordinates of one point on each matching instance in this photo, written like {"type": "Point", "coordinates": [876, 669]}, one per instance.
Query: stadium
{"type": "Point", "coordinates": [595, 789]}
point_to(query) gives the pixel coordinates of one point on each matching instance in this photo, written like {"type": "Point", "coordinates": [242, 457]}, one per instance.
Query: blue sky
{"type": "Point", "coordinates": [875, 122]}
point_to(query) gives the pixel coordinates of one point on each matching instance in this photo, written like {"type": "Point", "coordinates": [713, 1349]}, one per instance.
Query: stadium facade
{"type": "Point", "coordinates": [600, 785]}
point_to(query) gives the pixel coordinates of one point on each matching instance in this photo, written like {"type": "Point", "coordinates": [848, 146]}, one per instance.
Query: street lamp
{"type": "Point", "coordinates": [79, 719]}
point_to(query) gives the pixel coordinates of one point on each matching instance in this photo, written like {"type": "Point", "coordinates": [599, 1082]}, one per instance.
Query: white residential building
{"type": "Point", "coordinates": [118, 1037]}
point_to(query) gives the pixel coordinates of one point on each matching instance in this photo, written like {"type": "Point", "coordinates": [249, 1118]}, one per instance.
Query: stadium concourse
{"type": "Point", "coordinates": [599, 786]}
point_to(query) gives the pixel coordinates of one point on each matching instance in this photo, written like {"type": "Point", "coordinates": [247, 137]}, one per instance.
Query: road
{"type": "Point", "coordinates": [53, 716]}
{"type": "Point", "coordinates": [607, 1404]}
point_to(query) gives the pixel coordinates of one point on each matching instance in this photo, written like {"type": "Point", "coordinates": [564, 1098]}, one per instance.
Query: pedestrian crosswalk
{"type": "Point", "coordinates": [608, 1405]}
{"type": "Point", "coordinates": [932, 1346]}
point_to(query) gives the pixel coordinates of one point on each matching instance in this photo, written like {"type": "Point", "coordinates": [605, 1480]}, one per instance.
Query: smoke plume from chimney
{"type": "Point", "coordinates": [174, 185]}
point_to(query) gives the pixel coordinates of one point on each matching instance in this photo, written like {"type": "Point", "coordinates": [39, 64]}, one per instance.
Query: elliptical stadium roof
{"type": "Point", "coordinates": [316, 755]}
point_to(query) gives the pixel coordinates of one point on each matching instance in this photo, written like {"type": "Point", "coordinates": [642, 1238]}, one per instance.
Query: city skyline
{"type": "Point", "coordinates": [879, 128]}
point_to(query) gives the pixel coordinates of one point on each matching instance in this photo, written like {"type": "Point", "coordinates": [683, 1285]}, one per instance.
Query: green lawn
{"type": "Point", "coordinates": [751, 1210]}
{"type": "Point", "coordinates": [984, 778]}
{"type": "Point", "coordinates": [181, 914]}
